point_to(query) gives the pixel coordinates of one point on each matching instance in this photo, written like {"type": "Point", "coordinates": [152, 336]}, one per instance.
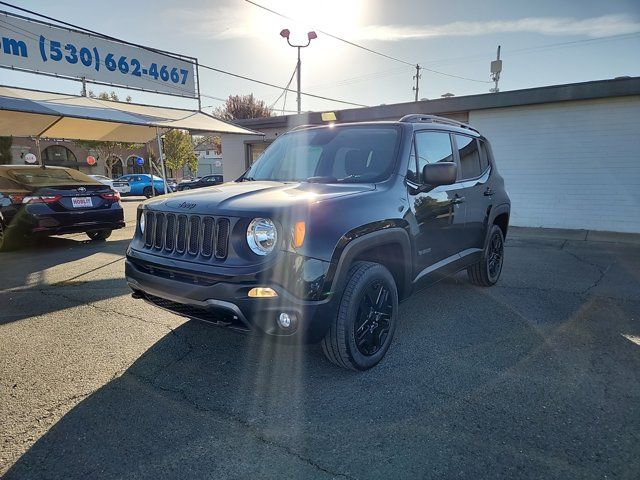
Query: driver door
{"type": "Point", "coordinates": [439, 212]}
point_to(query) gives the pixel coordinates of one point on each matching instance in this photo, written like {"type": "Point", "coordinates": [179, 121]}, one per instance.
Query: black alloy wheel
{"type": "Point", "coordinates": [487, 271]}
{"type": "Point", "coordinates": [495, 255]}
{"type": "Point", "coordinates": [360, 334]}
{"type": "Point", "coordinates": [373, 319]}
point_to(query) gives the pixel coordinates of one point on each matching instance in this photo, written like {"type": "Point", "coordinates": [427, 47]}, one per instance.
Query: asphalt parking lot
{"type": "Point", "coordinates": [538, 377]}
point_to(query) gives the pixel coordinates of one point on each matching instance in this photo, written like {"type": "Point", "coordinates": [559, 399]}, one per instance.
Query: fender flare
{"type": "Point", "coordinates": [495, 211]}
{"type": "Point", "coordinates": [349, 248]}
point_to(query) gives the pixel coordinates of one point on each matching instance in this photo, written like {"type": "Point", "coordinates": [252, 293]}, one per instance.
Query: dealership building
{"type": "Point", "coordinates": [570, 154]}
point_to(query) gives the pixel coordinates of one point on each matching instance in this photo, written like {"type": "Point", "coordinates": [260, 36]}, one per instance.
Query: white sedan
{"type": "Point", "coordinates": [120, 187]}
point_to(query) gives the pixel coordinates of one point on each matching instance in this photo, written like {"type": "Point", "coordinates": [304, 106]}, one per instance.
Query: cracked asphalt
{"type": "Point", "coordinates": [538, 377]}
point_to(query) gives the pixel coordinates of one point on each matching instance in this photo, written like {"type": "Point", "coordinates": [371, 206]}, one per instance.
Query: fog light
{"type": "Point", "coordinates": [262, 292]}
{"type": "Point", "coordinates": [284, 320]}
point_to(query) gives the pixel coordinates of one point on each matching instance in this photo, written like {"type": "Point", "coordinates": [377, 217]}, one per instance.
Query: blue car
{"type": "Point", "coordinates": [140, 184]}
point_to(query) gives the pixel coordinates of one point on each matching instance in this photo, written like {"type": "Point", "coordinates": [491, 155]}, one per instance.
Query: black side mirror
{"type": "Point", "coordinates": [441, 173]}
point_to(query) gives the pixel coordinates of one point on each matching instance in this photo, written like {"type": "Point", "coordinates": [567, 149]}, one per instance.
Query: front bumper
{"type": "Point", "coordinates": [223, 300]}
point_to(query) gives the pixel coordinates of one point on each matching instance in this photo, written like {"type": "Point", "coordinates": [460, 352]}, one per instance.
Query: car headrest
{"type": "Point", "coordinates": [355, 162]}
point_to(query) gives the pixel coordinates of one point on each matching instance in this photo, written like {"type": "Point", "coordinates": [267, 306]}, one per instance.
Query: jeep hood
{"type": "Point", "coordinates": [235, 198]}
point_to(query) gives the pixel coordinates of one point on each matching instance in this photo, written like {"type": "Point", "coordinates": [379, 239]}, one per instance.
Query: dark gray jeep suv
{"type": "Point", "coordinates": [322, 237]}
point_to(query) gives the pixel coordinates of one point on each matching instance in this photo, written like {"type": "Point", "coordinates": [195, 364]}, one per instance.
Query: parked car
{"type": "Point", "coordinates": [103, 180]}
{"type": "Point", "coordinates": [37, 200]}
{"type": "Point", "coordinates": [140, 184]}
{"type": "Point", "coordinates": [206, 181]}
{"type": "Point", "coordinates": [323, 236]}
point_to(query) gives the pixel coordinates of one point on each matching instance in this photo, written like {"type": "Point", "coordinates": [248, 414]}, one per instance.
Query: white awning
{"type": "Point", "coordinates": [32, 113]}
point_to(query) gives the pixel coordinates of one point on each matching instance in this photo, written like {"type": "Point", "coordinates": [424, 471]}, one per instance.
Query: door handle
{"type": "Point", "coordinates": [488, 192]}
{"type": "Point", "coordinates": [458, 200]}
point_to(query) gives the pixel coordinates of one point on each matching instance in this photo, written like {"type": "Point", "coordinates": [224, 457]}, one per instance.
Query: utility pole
{"type": "Point", "coordinates": [496, 69]}
{"type": "Point", "coordinates": [299, 75]}
{"type": "Point", "coordinates": [417, 78]}
{"type": "Point", "coordinates": [84, 87]}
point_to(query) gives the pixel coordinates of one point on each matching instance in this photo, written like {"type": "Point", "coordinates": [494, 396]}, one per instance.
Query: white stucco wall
{"type": "Point", "coordinates": [234, 154]}
{"type": "Point", "coordinates": [570, 164]}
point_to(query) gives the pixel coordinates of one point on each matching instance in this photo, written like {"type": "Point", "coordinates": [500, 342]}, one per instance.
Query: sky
{"type": "Point", "coordinates": [544, 42]}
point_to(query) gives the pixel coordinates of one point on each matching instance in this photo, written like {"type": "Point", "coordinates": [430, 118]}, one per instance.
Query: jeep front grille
{"type": "Point", "coordinates": [192, 235]}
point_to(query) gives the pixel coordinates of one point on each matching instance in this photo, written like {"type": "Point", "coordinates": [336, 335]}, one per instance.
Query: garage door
{"type": "Point", "coordinates": [570, 164]}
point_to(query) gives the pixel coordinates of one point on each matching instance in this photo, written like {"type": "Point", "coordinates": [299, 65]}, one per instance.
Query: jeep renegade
{"type": "Point", "coordinates": [327, 232]}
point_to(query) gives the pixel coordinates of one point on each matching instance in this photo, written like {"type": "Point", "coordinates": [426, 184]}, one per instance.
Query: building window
{"type": "Point", "coordinates": [254, 150]}
{"type": "Point", "coordinates": [60, 156]}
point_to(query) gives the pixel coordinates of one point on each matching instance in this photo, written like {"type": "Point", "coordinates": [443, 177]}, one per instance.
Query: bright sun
{"type": "Point", "coordinates": [335, 16]}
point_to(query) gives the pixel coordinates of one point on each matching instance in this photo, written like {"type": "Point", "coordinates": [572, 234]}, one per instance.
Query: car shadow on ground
{"type": "Point", "coordinates": [473, 384]}
{"type": "Point", "coordinates": [45, 264]}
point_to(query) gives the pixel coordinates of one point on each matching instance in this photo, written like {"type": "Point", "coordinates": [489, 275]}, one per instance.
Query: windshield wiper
{"type": "Point", "coordinates": [321, 179]}
{"type": "Point", "coordinates": [348, 177]}
{"type": "Point", "coordinates": [248, 179]}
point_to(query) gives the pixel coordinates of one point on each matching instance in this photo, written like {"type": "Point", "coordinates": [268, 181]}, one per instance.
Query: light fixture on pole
{"type": "Point", "coordinates": [310, 36]}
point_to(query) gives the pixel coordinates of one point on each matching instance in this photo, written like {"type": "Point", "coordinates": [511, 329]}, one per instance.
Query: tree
{"type": "Point", "coordinates": [178, 151]}
{"type": "Point", "coordinates": [113, 96]}
{"type": "Point", "coordinates": [5, 150]}
{"type": "Point", "coordinates": [107, 151]}
{"type": "Point", "coordinates": [238, 107]}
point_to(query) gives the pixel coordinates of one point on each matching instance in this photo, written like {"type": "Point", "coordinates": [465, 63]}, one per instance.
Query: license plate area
{"type": "Point", "coordinates": [81, 202]}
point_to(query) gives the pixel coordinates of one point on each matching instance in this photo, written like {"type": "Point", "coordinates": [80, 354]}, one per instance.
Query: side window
{"type": "Point", "coordinates": [433, 147]}
{"type": "Point", "coordinates": [484, 159]}
{"type": "Point", "coordinates": [412, 171]}
{"type": "Point", "coordinates": [469, 157]}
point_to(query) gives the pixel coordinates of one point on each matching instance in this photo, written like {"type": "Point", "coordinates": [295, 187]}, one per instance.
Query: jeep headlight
{"type": "Point", "coordinates": [141, 222]}
{"type": "Point", "coordinates": [262, 236]}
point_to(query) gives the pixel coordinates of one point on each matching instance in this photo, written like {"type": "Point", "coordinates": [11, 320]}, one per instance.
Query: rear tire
{"type": "Point", "coordinates": [487, 271]}
{"type": "Point", "coordinates": [147, 192]}
{"type": "Point", "coordinates": [99, 235]}
{"type": "Point", "coordinates": [360, 335]}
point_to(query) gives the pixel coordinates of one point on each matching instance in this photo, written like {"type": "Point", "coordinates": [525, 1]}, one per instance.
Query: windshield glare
{"type": "Point", "coordinates": [350, 154]}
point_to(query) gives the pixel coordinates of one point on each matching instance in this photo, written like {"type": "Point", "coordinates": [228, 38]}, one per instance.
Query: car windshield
{"type": "Point", "coordinates": [41, 177]}
{"type": "Point", "coordinates": [350, 154]}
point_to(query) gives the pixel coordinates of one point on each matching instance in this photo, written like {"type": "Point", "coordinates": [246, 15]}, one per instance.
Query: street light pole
{"type": "Point", "coordinates": [310, 36]}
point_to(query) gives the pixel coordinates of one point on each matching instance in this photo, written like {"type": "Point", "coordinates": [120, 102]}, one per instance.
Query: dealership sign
{"type": "Point", "coordinates": [39, 47]}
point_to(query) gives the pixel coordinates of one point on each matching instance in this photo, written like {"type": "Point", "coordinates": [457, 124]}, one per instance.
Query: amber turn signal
{"type": "Point", "coordinates": [262, 292]}
{"type": "Point", "coordinates": [299, 231]}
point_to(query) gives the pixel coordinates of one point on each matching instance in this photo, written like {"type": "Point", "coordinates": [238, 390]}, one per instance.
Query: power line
{"type": "Point", "coordinates": [206, 67]}
{"type": "Point", "coordinates": [335, 37]}
{"type": "Point", "coordinates": [295, 69]}
{"type": "Point", "coordinates": [548, 46]}
{"type": "Point", "coordinates": [370, 50]}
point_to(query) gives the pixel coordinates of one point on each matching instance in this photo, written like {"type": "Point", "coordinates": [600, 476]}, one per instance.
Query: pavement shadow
{"type": "Point", "coordinates": [461, 394]}
{"type": "Point", "coordinates": [25, 275]}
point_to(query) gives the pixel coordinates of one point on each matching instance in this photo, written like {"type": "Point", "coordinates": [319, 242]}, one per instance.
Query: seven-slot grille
{"type": "Point", "coordinates": [187, 234]}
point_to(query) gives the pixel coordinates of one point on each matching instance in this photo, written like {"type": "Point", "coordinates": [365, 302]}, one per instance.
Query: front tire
{"type": "Point", "coordinates": [147, 192]}
{"type": "Point", "coordinates": [360, 335]}
{"type": "Point", "coordinates": [99, 235]}
{"type": "Point", "coordinates": [487, 271]}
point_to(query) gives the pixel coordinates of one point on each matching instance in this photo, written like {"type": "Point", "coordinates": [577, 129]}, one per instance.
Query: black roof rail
{"type": "Point", "coordinates": [302, 127]}
{"type": "Point", "coordinates": [416, 118]}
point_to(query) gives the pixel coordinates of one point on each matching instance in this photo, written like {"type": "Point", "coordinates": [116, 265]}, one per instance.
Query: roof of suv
{"type": "Point", "coordinates": [416, 120]}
